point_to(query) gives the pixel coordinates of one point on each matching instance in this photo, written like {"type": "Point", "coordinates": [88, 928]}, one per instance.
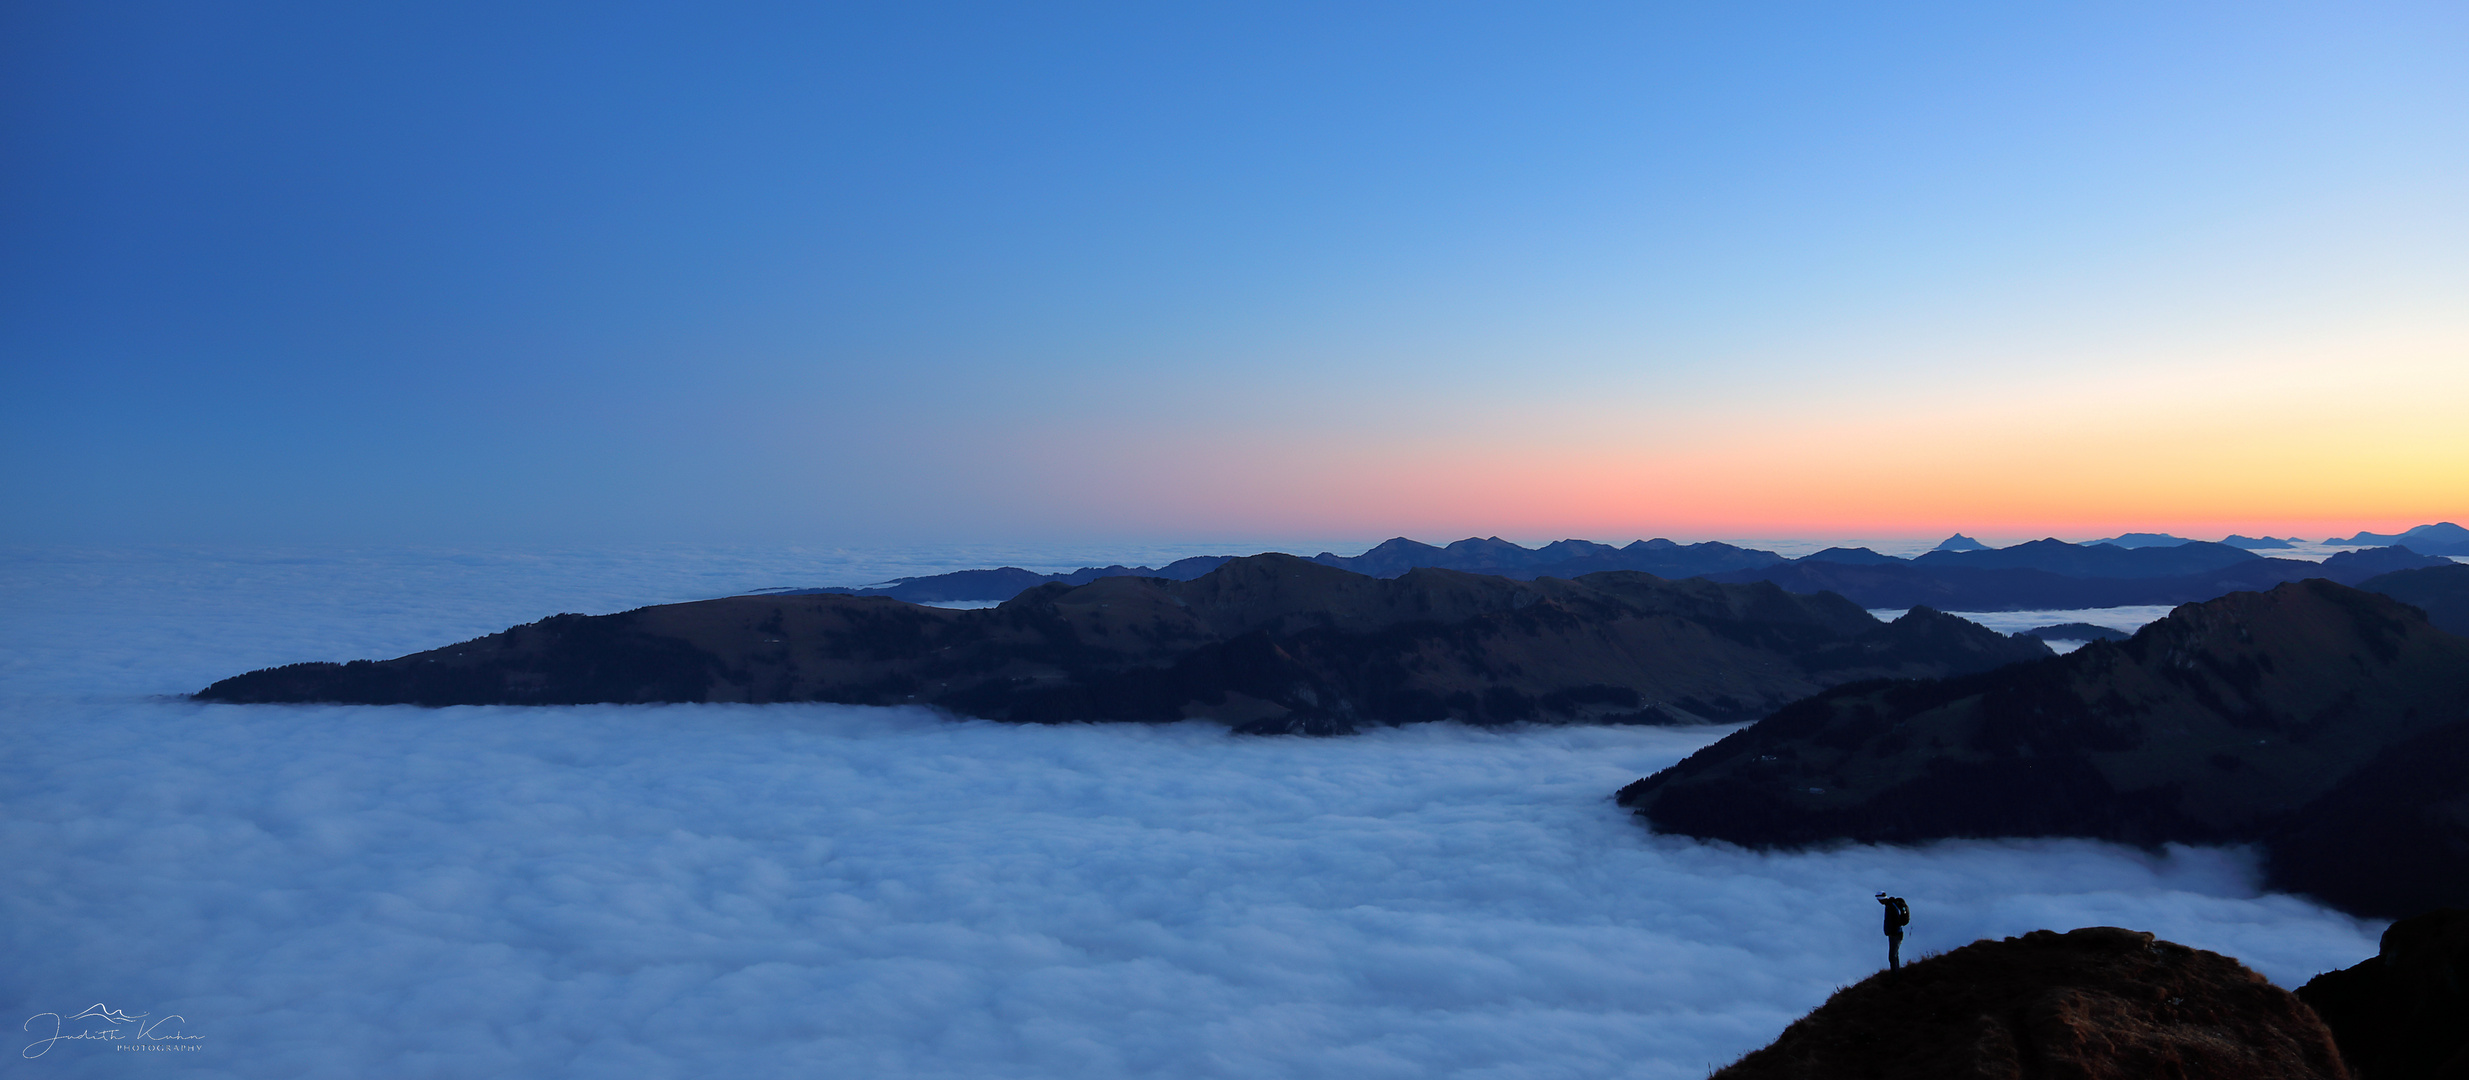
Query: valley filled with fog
{"type": "Point", "coordinates": [794, 889]}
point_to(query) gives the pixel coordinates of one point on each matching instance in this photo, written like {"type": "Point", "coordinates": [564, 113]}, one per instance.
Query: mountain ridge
{"type": "Point", "coordinates": [1265, 643]}
{"type": "Point", "coordinates": [2047, 573]}
{"type": "Point", "coordinates": [2439, 538]}
{"type": "Point", "coordinates": [2256, 717]}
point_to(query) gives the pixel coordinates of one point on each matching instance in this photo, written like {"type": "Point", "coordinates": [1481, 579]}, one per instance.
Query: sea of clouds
{"type": "Point", "coordinates": [825, 890]}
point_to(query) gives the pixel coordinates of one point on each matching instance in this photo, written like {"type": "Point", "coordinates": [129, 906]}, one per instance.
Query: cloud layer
{"type": "Point", "coordinates": [804, 890]}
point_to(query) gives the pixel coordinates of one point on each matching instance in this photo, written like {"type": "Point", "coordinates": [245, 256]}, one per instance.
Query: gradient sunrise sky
{"type": "Point", "coordinates": [873, 273]}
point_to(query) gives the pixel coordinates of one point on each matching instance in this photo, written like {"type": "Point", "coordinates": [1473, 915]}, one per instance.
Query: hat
{"type": "Point", "coordinates": [1881, 896]}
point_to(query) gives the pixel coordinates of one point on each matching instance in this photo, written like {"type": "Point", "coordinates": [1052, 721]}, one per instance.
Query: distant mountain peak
{"type": "Point", "coordinates": [1560, 558]}
{"type": "Point", "coordinates": [1857, 556]}
{"type": "Point", "coordinates": [2440, 538]}
{"type": "Point", "coordinates": [1960, 542]}
{"type": "Point", "coordinates": [2143, 540]}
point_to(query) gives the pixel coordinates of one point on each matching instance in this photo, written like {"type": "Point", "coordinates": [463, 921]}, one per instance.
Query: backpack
{"type": "Point", "coordinates": [1899, 913]}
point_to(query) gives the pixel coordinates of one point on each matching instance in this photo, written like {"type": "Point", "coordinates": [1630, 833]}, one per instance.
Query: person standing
{"type": "Point", "coordinates": [1898, 916]}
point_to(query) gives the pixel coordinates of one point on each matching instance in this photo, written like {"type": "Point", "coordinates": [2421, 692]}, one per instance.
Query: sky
{"type": "Point", "coordinates": [1177, 273]}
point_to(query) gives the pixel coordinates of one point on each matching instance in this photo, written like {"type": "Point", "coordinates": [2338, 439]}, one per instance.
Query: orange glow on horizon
{"type": "Point", "coordinates": [2312, 450]}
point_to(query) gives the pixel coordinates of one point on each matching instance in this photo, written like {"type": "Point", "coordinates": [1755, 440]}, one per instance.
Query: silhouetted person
{"type": "Point", "coordinates": [1898, 916]}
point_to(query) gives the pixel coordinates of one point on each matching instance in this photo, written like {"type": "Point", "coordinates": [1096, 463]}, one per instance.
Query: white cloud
{"type": "Point", "coordinates": [804, 890]}
{"type": "Point", "coordinates": [2129, 618]}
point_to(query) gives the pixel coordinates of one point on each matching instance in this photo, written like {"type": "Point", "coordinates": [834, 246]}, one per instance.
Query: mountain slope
{"type": "Point", "coordinates": [1270, 642]}
{"type": "Point", "coordinates": [2442, 592]}
{"type": "Point", "coordinates": [2243, 718]}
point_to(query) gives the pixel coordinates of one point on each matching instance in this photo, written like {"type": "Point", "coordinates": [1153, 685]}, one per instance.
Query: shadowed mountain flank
{"type": "Point", "coordinates": [2403, 1013]}
{"type": "Point", "coordinates": [2319, 719]}
{"type": "Point", "coordinates": [2442, 592]}
{"type": "Point", "coordinates": [1269, 643]}
{"type": "Point", "coordinates": [2096, 1003]}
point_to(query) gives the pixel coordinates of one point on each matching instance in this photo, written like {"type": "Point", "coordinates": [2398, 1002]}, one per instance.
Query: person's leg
{"type": "Point", "coordinates": [1894, 951]}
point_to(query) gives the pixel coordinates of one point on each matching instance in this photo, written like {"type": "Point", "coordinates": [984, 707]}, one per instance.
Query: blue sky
{"type": "Point", "coordinates": [991, 272]}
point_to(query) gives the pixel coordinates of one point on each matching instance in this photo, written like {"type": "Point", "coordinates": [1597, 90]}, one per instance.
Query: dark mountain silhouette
{"type": "Point", "coordinates": [1268, 643]}
{"type": "Point", "coordinates": [1859, 556]}
{"type": "Point", "coordinates": [1006, 582]}
{"type": "Point", "coordinates": [2403, 1014]}
{"type": "Point", "coordinates": [2077, 631]}
{"type": "Point", "coordinates": [2100, 1003]}
{"type": "Point", "coordinates": [1561, 558]}
{"type": "Point", "coordinates": [2142, 540]}
{"type": "Point", "coordinates": [1663, 558]}
{"type": "Point", "coordinates": [1960, 542]}
{"type": "Point", "coordinates": [2442, 592]}
{"type": "Point", "coordinates": [2094, 560]}
{"type": "Point", "coordinates": [2321, 720]}
{"type": "Point", "coordinates": [1934, 581]}
{"type": "Point", "coordinates": [2367, 562]}
{"type": "Point", "coordinates": [2441, 538]}
{"type": "Point", "coordinates": [2041, 574]}
{"type": "Point", "coordinates": [2391, 838]}
{"type": "Point", "coordinates": [2255, 543]}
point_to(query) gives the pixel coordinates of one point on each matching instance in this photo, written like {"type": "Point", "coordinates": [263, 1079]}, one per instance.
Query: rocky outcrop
{"type": "Point", "coordinates": [2095, 1004]}
{"type": "Point", "coordinates": [1268, 643]}
{"type": "Point", "coordinates": [2328, 723]}
{"type": "Point", "coordinates": [2403, 1014]}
